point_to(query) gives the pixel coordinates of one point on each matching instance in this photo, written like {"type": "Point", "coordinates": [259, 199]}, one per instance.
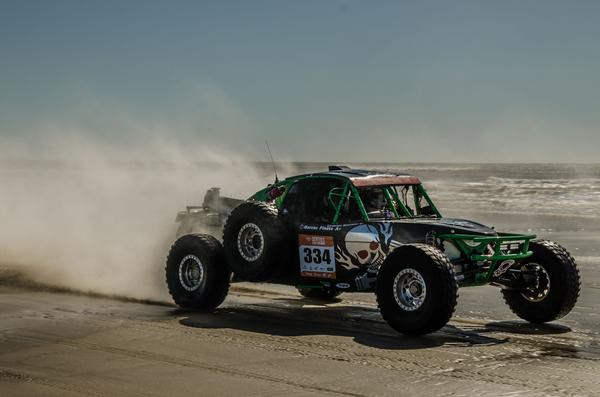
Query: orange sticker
{"type": "Point", "coordinates": [308, 239]}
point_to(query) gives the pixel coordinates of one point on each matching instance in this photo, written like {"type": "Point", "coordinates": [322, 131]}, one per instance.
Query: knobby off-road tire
{"type": "Point", "coordinates": [322, 294]}
{"type": "Point", "coordinates": [416, 289]}
{"type": "Point", "coordinates": [197, 275]}
{"type": "Point", "coordinates": [562, 292]}
{"type": "Point", "coordinates": [254, 241]}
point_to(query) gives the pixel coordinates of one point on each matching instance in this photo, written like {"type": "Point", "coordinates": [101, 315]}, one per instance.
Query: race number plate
{"type": "Point", "coordinates": [317, 256]}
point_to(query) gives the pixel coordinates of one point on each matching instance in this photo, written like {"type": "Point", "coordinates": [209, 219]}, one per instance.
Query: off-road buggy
{"type": "Point", "coordinates": [364, 231]}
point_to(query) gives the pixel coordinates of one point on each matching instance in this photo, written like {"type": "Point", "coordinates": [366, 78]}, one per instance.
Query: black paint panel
{"type": "Point", "coordinates": [359, 246]}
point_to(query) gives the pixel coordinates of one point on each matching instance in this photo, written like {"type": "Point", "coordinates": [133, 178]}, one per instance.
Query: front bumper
{"type": "Point", "coordinates": [488, 252]}
{"type": "Point", "coordinates": [492, 248]}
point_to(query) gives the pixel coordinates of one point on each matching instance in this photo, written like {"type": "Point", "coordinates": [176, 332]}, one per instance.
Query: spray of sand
{"type": "Point", "coordinates": [87, 217]}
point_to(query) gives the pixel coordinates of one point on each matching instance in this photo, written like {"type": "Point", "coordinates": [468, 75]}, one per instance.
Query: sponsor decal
{"type": "Point", "coordinates": [321, 228]}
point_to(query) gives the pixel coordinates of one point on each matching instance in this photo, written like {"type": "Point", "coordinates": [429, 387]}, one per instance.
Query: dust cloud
{"type": "Point", "coordinates": [92, 218]}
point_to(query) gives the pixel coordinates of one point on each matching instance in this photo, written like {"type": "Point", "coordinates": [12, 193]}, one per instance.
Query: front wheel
{"type": "Point", "coordinates": [416, 289]}
{"type": "Point", "coordinates": [551, 284]}
{"type": "Point", "coordinates": [197, 275]}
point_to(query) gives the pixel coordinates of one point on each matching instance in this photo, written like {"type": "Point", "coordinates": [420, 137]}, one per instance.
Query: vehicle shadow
{"type": "Point", "coordinates": [525, 328]}
{"type": "Point", "coordinates": [301, 317]}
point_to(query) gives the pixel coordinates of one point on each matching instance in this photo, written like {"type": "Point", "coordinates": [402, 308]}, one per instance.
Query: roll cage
{"type": "Point", "coordinates": [395, 196]}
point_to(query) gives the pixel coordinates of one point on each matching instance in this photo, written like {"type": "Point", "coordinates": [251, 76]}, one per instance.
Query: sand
{"type": "Point", "coordinates": [267, 340]}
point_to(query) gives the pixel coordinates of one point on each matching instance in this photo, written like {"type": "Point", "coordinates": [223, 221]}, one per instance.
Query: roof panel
{"type": "Point", "coordinates": [360, 177]}
{"type": "Point", "coordinates": [381, 180]}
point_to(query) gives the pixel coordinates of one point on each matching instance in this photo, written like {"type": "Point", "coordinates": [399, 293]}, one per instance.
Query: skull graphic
{"type": "Point", "coordinates": [366, 245]}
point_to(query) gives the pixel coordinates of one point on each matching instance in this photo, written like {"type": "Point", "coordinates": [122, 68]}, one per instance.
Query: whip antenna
{"type": "Point", "coordinates": [272, 161]}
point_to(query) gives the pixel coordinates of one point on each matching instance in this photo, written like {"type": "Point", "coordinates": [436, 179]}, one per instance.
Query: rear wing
{"type": "Point", "coordinates": [213, 203]}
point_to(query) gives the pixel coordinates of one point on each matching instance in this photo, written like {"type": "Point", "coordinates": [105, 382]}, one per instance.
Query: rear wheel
{"type": "Point", "coordinates": [254, 239]}
{"type": "Point", "coordinates": [416, 289]}
{"type": "Point", "coordinates": [323, 294]}
{"type": "Point", "coordinates": [196, 272]}
{"type": "Point", "coordinates": [552, 284]}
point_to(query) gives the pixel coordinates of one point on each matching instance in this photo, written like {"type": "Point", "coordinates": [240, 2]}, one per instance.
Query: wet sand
{"type": "Point", "coordinates": [266, 340]}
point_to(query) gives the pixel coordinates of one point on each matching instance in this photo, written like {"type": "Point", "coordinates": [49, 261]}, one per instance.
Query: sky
{"type": "Point", "coordinates": [328, 80]}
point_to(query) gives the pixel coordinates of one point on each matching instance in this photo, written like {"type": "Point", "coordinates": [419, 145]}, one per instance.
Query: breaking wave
{"type": "Point", "coordinates": [573, 197]}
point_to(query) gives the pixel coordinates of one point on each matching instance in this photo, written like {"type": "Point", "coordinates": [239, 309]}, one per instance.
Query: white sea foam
{"type": "Point", "coordinates": [576, 197]}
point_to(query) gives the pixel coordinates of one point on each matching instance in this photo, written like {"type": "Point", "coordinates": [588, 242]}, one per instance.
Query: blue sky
{"type": "Point", "coordinates": [321, 80]}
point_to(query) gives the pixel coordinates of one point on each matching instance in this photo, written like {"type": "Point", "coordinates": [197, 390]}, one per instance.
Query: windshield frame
{"type": "Point", "coordinates": [391, 195]}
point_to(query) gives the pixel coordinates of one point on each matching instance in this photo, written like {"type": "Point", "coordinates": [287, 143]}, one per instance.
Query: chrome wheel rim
{"type": "Point", "coordinates": [541, 286]}
{"type": "Point", "coordinates": [191, 272]}
{"type": "Point", "coordinates": [409, 289]}
{"type": "Point", "coordinates": [250, 242]}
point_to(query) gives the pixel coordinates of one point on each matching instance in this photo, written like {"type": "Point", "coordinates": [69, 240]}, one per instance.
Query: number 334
{"type": "Point", "coordinates": [316, 256]}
